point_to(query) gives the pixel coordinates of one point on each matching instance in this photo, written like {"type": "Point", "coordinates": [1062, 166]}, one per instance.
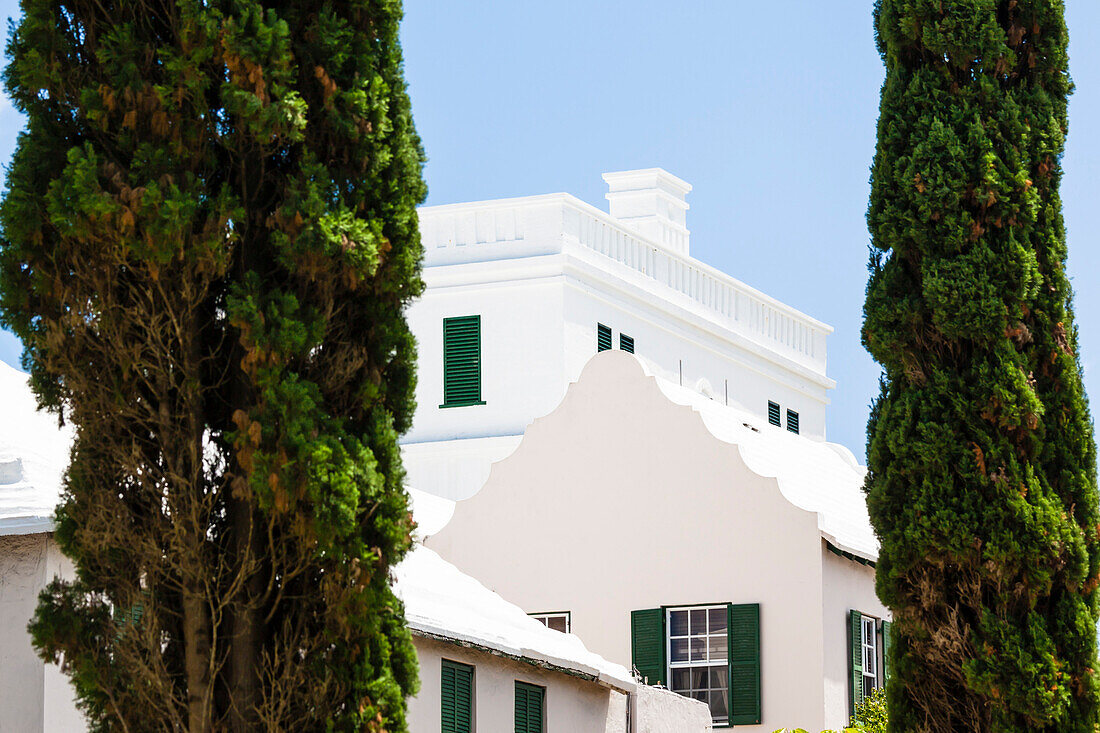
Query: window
{"type": "Point", "coordinates": [603, 337]}
{"type": "Point", "coordinates": [773, 413]}
{"type": "Point", "coordinates": [708, 652]}
{"type": "Point", "coordinates": [792, 421]}
{"type": "Point", "coordinates": [558, 620]}
{"type": "Point", "coordinates": [869, 646]}
{"type": "Point", "coordinates": [869, 639]}
{"type": "Point", "coordinates": [698, 660]}
{"type": "Point", "coordinates": [457, 697]}
{"type": "Point", "coordinates": [462, 361]}
{"type": "Point", "coordinates": [626, 343]}
{"type": "Point", "coordinates": [530, 714]}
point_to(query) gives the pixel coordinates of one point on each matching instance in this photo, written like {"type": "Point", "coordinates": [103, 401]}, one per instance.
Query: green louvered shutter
{"type": "Point", "coordinates": [744, 659]}
{"type": "Point", "coordinates": [462, 361]}
{"type": "Point", "coordinates": [626, 343]}
{"type": "Point", "coordinates": [647, 644]}
{"type": "Point", "coordinates": [530, 706]}
{"type": "Point", "coordinates": [457, 697]}
{"type": "Point", "coordinates": [603, 337]}
{"type": "Point", "coordinates": [886, 632]}
{"type": "Point", "coordinates": [855, 656]}
{"type": "Point", "coordinates": [773, 413]}
{"type": "Point", "coordinates": [792, 421]}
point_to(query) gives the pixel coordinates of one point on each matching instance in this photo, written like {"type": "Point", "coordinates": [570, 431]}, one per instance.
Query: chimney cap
{"type": "Point", "coordinates": [647, 179]}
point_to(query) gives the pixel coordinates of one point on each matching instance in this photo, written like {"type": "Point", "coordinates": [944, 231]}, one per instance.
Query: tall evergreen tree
{"type": "Point", "coordinates": [982, 478]}
{"type": "Point", "coordinates": [208, 241]}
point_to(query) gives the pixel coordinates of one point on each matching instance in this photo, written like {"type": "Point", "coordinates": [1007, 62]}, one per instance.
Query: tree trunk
{"type": "Point", "coordinates": [196, 635]}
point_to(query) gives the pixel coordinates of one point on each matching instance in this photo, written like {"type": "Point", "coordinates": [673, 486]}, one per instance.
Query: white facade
{"type": "Point", "coordinates": [455, 619]}
{"type": "Point", "coordinates": [636, 493]}
{"type": "Point", "coordinates": [543, 271]}
{"type": "Point", "coordinates": [452, 617]}
{"type": "Point", "coordinates": [34, 697]}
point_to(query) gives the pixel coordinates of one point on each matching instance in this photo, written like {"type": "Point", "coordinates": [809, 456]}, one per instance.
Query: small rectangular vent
{"type": "Point", "coordinates": [773, 413]}
{"type": "Point", "coordinates": [792, 421]}
{"type": "Point", "coordinates": [603, 337]}
{"type": "Point", "coordinates": [626, 343]}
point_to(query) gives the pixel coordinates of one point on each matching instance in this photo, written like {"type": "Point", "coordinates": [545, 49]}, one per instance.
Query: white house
{"type": "Point", "coordinates": [483, 661]}
{"type": "Point", "coordinates": [521, 292]}
{"type": "Point", "coordinates": [720, 555]}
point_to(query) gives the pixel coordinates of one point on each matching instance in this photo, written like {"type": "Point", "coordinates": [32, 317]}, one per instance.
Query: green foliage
{"type": "Point", "coordinates": [206, 246]}
{"type": "Point", "coordinates": [982, 476]}
{"type": "Point", "coordinates": [872, 714]}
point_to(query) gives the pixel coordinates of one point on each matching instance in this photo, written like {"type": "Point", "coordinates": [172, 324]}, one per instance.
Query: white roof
{"type": "Point", "coordinates": [443, 602]}
{"type": "Point", "coordinates": [440, 601]}
{"type": "Point", "coordinates": [820, 477]}
{"type": "Point", "coordinates": [34, 452]}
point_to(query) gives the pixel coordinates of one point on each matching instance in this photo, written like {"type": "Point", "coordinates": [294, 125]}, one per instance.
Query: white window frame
{"type": "Point", "coordinates": [697, 664]}
{"type": "Point", "coordinates": [544, 618]}
{"type": "Point", "coordinates": [869, 650]}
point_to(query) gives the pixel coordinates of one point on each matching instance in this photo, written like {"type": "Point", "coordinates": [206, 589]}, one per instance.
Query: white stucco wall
{"type": "Point", "coordinates": [657, 710]}
{"type": "Point", "coordinates": [33, 696]}
{"type": "Point", "coordinates": [22, 569]}
{"type": "Point", "coordinates": [522, 364]}
{"type": "Point", "coordinates": [846, 586]}
{"type": "Point", "coordinates": [620, 500]}
{"type": "Point", "coordinates": [571, 704]}
{"type": "Point", "coordinates": [678, 346]}
{"type": "Point", "coordinates": [542, 271]}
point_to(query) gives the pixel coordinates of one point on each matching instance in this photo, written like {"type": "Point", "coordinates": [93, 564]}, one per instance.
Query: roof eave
{"type": "Point", "coordinates": [27, 524]}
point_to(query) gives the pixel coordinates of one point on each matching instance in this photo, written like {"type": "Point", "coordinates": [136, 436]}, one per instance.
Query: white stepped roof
{"type": "Point", "coordinates": [443, 602]}
{"type": "Point", "coordinates": [34, 452]}
{"type": "Point", "coordinates": [817, 476]}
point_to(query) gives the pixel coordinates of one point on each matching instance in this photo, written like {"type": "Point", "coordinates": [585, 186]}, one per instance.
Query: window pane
{"type": "Point", "coordinates": [681, 679]}
{"type": "Point", "coordinates": [699, 680]}
{"type": "Point", "coordinates": [718, 650]}
{"type": "Point", "coordinates": [719, 677]}
{"type": "Point", "coordinates": [698, 649]}
{"type": "Point", "coordinates": [700, 695]}
{"type": "Point", "coordinates": [717, 620]}
{"type": "Point", "coordinates": [698, 621]}
{"type": "Point", "coordinates": [719, 705]}
{"type": "Point", "coordinates": [679, 650]}
{"type": "Point", "coordinates": [557, 623]}
{"type": "Point", "coordinates": [678, 623]}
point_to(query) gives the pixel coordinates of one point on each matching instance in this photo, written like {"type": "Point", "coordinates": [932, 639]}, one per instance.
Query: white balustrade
{"type": "Point", "coordinates": [544, 224]}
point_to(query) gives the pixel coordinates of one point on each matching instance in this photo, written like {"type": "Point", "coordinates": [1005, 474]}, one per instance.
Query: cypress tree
{"type": "Point", "coordinates": [206, 246]}
{"type": "Point", "coordinates": [982, 478]}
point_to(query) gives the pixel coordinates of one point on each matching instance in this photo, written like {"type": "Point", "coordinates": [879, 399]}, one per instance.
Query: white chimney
{"type": "Point", "coordinates": [651, 202]}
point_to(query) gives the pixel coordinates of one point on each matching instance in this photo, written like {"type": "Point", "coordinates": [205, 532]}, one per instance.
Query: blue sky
{"type": "Point", "coordinates": [768, 109]}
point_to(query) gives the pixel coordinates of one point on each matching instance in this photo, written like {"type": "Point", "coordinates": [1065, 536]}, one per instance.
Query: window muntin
{"type": "Point", "coordinates": [698, 656]}
{"type": "Point", "coordinates": [869, 648]}
{"type": "Point", "coordinates": [556, 620]}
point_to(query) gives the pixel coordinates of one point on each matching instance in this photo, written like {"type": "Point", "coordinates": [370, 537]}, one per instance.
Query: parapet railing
{"type": "Point", "coordinates": [536, 225]}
